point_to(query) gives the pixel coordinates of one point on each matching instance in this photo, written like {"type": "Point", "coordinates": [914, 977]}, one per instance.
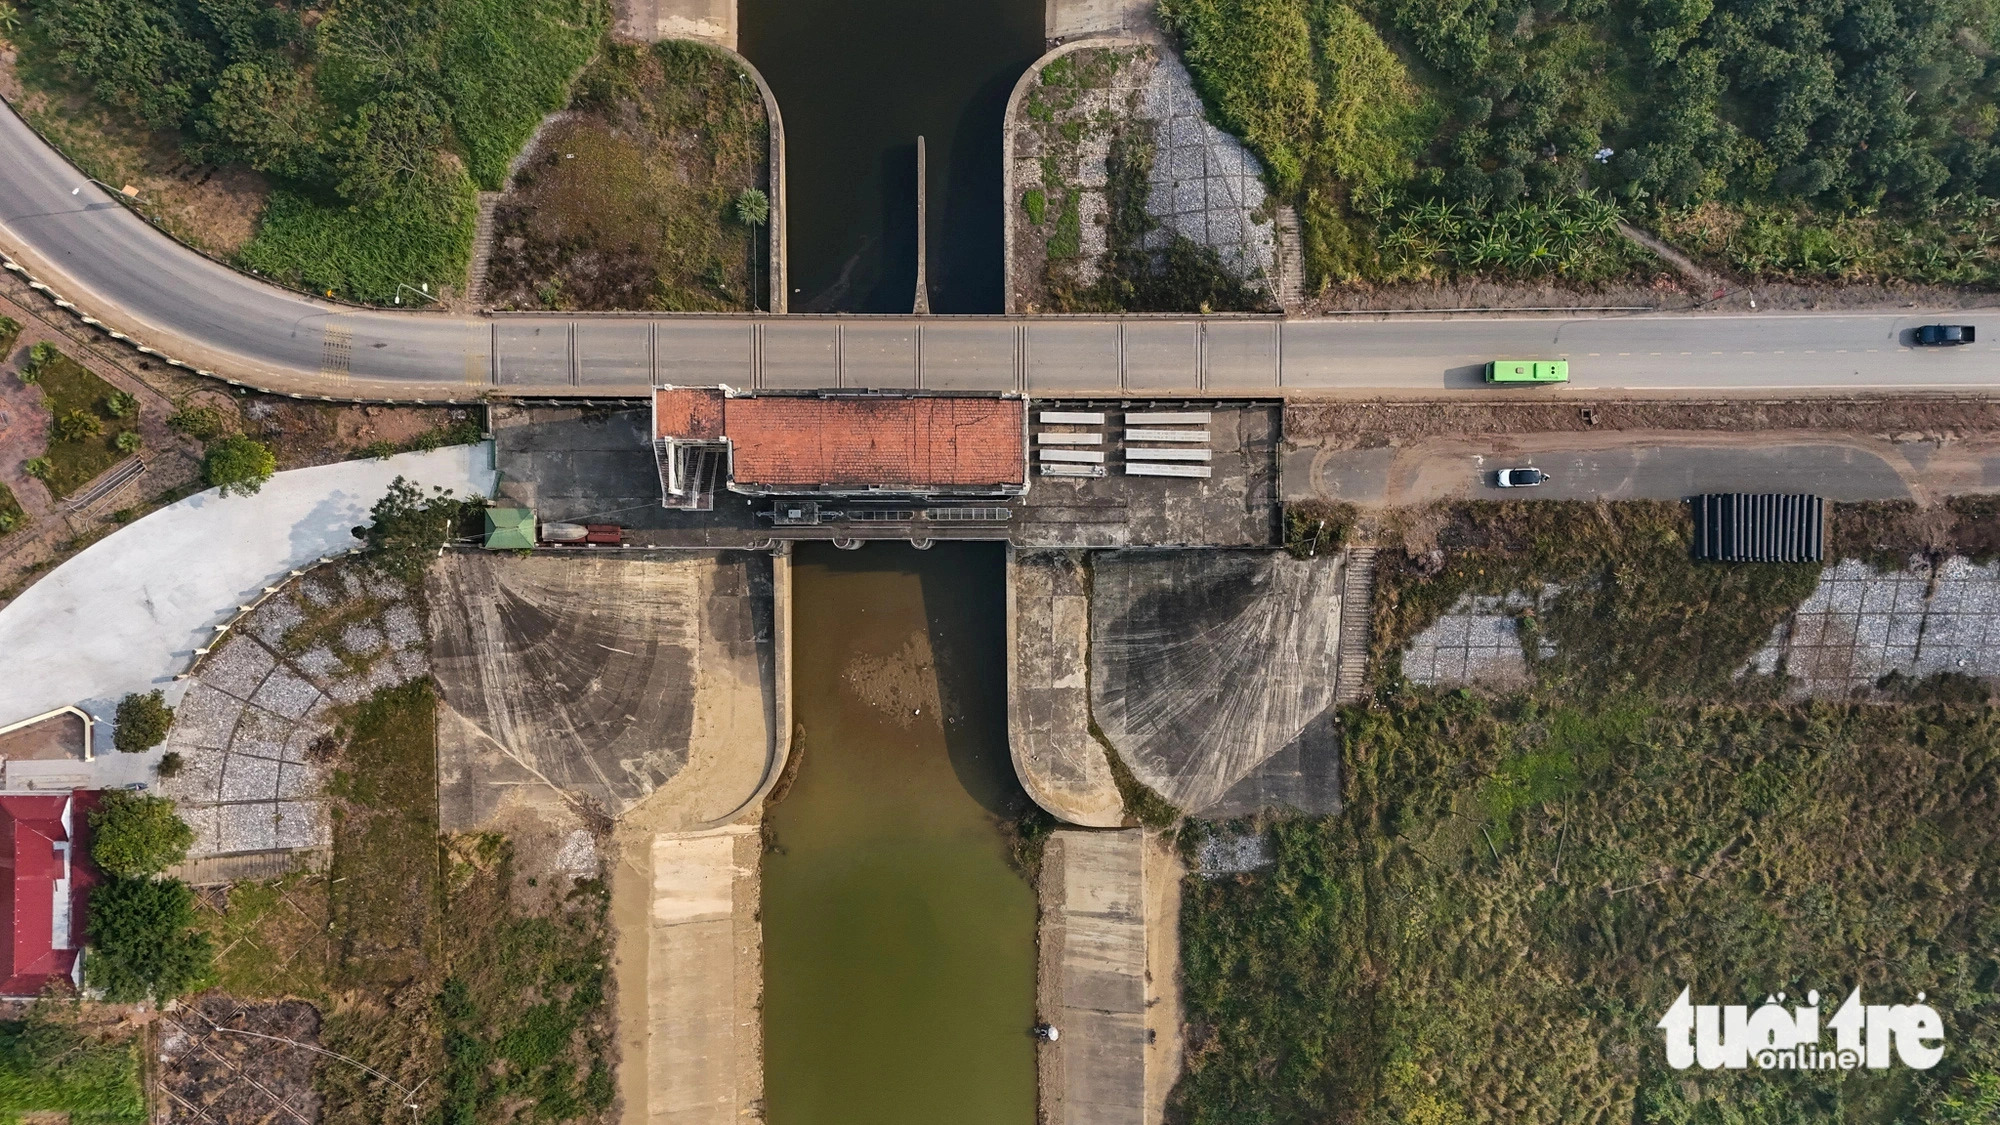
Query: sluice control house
{"type": "Point", "coordinates": [829, 444]}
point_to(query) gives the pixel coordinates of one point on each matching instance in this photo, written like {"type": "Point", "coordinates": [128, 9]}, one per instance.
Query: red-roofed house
{"type": "Point", "coordinates": [838, 443]}
{"type": "Point", "coordinates": [45, 876]}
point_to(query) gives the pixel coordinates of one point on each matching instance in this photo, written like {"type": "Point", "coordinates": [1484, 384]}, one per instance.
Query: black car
{"type": "Point", "coordinates": [1944, 335]}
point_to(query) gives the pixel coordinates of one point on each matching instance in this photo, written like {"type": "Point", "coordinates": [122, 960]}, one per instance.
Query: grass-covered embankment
{"type": "Point", "coordinates": [630, 202]}
{"type": "Point", "coordinates": [1520, 885]}
{"type": "Point", "coordinates": [1810, 125]}
{"type": "Point", "coordinates": [375, 120]}
{"type": "Point", "coordinates": [428, 956]}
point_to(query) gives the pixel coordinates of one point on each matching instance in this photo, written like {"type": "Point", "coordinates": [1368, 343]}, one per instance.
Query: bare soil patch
{"type": "Point", "coordinates": [230, 1062]}
{"type": "Point", "coordinates": [627, 200]}
{"type": "Point", "coordinates": [1358, 425]}
{"type": "Point", "coordinates": [213, 209]}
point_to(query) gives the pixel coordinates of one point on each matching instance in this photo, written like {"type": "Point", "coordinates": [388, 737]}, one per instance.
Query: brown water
{"type": "Point", "coordinates": [898, 940]}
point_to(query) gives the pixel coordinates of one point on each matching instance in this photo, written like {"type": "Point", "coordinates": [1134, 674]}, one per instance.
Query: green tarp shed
{"type": "Point", "coordinates": [509, 529]}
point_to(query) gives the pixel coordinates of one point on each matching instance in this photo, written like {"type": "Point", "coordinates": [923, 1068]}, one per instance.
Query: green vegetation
{"type": "Point", "coordinates": [647, 196]}
{"type": "Point", "coordinates": [238, 465]}
{"type": "Point", "coordinates": [134, 835]}
{"type": "Point", "coordinates": [407, 527]}
{"type": "Point", "coordinates": [144, 941]}
{"type": "Point", "coordinates": [1519, 886]}
{"type": "Point", "coordinates": [1316, 527]}
{"type": "Point", "coordinates": [376, 118]}
{"type": "Point", "coordinates": [1141, 804]}
{"type": "Point", "coordinates": [50, 1064]}
{"type": "Point", "coordinates": [12, 515]}
{"type": "Point", "coordinates": [1070, 104]}
{"type": "Point", "coordinates": [83, 436]}
{"type": "Point", "coordinates": [423, 237]}
{"type": "Point", "coordinates": [429, 957]}
{"type": "Point", "coordinates": [1801, 124]}
{"type": "Point", "coordinates": [10, 331]}
{"type": "Point", "coordinates": [202, 423]}
{"type": "Point", "coordinates": [524, 1003]}
{"type": "Point", "coordinates": [142, 721]}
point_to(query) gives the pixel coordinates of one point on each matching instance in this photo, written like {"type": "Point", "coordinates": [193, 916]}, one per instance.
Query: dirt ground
{"type": "Point", "coordinates": [1166, 1034]}
{"type": "Point", "coordinates": [625, 201]}
{"type": "Point", "coordinates": [213, 209]}
{"type": "Point", "coordinates": [1369, 425]}
{"type": "Point", "coordinates": [209, 1071]}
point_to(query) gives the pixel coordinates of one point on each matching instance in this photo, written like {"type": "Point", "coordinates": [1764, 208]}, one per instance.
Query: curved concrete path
{"type": "Point", "coordinates": [127, 614]}
{"type": "Point", "coordinates": [1058, 761]}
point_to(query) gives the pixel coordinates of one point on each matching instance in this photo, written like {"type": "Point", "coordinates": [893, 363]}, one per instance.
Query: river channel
{"type": "Point", "coordinates": [899, 942]}
{"type": "Point", "coordinates": [858, 81]}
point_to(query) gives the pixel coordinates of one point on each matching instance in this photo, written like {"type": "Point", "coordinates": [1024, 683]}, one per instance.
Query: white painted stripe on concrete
{"type": "Point", "coordinates": [1069, 439]}
{"type": "Point", "coordinates": [1070, 417]}
{"type": "Point", "coordinates": [1167, 418]}
{"type": "Point", "coordinates": [1075, 456]}
{"type": "Point", "coordinates": [1148, 469]}
{"type": "Point", "coordinates": [1167, 435]}
{"type": "Point", "coordinates": [1136, 454]}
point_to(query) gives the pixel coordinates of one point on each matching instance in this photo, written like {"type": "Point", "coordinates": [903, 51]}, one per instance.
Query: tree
{"type": "Point", "coordinates": [142, 721]}
{"type": "Point", "coordinates": [134, 835]}
{"type": "Point", "coordinates": [120, 404]}
{"type": "Point", "coordinates": [408, 527]}
{"type": "Point", "coordinates": [144, 942]}
{"type": "Point", "coordinates": [238, 465]}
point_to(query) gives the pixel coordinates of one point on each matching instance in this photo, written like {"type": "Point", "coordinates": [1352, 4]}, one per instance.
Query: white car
{"type": "Point", "coordinates": [1520, 478]}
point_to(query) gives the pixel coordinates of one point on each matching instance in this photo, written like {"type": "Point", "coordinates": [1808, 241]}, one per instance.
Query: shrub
{"type": "Point", "coordinates": [144, 942]}
{"type": "Point", "coordinates": [128, 441]}
{"type": "Point", "coordinates": [37, 467]}
{"type": "Point", "coordinates": [39, 357]}
{"type": "Point", "coordinates": [171, 765]}
{"type": "Point", "coordinates": [78, 425]}
{"type": "Point", "coordinates": [10, 331]}
{"type": "Point", "coordinates": [52, 1068]}
{"type": "Point", "coordinates": [238, 465]}
{"type": "Point", "coordinates": [120, 404]}
{"type": "Point", "coordinates": [134, 835]}
{"type": "Point", "coordinates": [1036, 203]}
{"type": "Point", "coordinates": [752, 208]}
{"type": "Point", "coordinates": [420, 235]}
{"type": "Point", "coordinates": [202, 423]}
{"type": "Point", "coordinates": [142, 721]}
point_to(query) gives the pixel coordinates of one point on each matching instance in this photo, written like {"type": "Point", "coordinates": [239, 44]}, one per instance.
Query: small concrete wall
{"type": "Point", "coordinates": [779, 282]}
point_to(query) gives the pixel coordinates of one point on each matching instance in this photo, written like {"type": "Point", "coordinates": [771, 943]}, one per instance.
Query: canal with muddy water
{"type": "Point", "coordinates": [899, 939]}
{"type": "Point", "coordinates": [859, 81]}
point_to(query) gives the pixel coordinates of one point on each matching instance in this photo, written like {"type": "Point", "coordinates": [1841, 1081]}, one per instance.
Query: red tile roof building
{"type": "Point", "coordinates": [45, 878]}
{"type": "Point", "coordinates": [833, 443]}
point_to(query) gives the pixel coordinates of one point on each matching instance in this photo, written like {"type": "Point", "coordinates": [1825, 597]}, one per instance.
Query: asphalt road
{"type": "Point", "coordinates": [71, 235]}
{"type": "Point", "coordinates": [1647, 467]}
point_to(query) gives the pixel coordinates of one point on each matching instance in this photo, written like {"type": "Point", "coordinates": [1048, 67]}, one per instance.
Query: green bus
{"type": "Point", "coordinates": [1528, 371]}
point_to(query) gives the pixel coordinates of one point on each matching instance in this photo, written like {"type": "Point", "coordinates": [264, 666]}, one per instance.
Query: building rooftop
{"type": "Point", "coordinates": [831, 442]}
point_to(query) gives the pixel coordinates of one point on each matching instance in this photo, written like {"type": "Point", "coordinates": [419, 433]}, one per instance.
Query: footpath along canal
{"type": "Point", "coordinates": [899, 939]}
